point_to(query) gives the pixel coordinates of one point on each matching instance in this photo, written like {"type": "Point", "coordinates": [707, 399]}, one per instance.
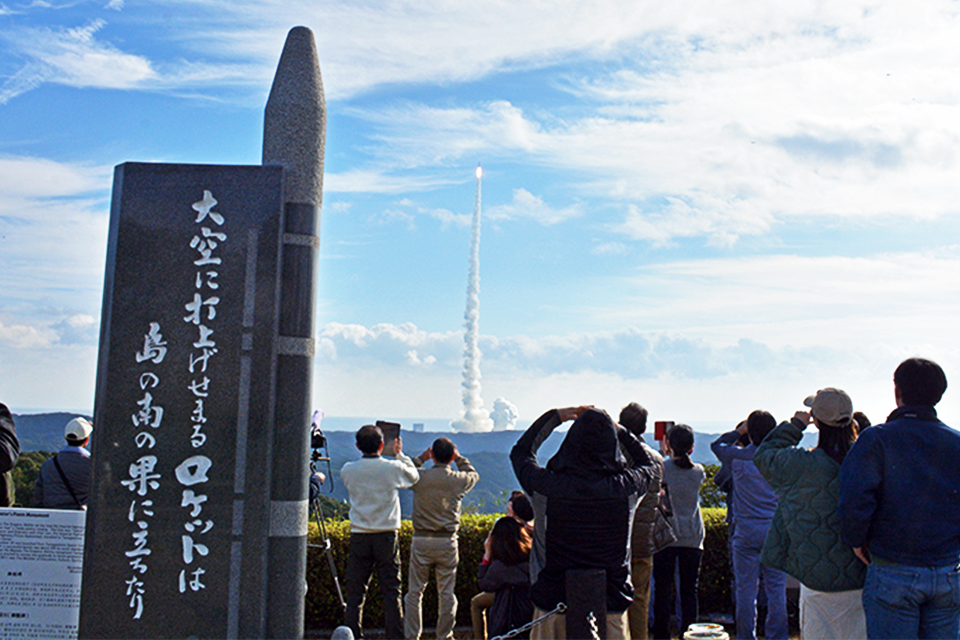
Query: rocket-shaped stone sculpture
{"type": "Point", "coordinates": [197, 519]}
{"type": "Point", "coordinates": [293, 136]}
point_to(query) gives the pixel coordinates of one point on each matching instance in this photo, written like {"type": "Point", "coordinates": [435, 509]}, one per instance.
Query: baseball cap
{"type": "Point", "coordinates": [78, 429]}
{"type": "Point", "coordinates": [830, 406]}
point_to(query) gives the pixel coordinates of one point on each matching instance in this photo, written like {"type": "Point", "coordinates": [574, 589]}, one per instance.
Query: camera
{"type": "Point", "coordinates": [317, 439]}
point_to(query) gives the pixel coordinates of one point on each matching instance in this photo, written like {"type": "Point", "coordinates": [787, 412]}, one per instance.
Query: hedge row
{"type": "Point", "coordinates": [323, 608]}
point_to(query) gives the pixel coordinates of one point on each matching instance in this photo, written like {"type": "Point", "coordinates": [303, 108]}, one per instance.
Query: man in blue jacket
{"type": "Point", "coordinates": [900, 511]}
{"type": "Point", "coordinates": [753, 505]}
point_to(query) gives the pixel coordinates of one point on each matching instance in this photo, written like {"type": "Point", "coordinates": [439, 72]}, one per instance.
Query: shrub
{"type": "Point", "coordinates": [25, 475]}
{"type": "Point", "coordinates": [710, 495]}
{"type": "Point", "coordinates": [323, 609]}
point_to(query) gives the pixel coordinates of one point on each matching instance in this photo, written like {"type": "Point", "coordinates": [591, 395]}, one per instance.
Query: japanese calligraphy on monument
{"type": "Point", "coordinates": [189, 314]}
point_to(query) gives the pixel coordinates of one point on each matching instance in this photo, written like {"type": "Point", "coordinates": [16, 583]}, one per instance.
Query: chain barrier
{"type": "Point", "coordinates": [560, 608]}
{"type": "Point", "coordinates": [594, 631]}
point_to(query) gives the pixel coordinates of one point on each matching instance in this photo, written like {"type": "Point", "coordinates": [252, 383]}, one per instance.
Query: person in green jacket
{"type": "Point", "coordinates": [804, 539]}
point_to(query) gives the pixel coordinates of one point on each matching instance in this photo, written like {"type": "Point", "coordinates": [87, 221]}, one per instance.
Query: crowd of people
{"type": "Point", "coordinates": [868, 523]}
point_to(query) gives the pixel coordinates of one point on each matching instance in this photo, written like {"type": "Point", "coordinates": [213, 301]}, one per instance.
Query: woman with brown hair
{"type": "Point", "coordinates": [505, 571]}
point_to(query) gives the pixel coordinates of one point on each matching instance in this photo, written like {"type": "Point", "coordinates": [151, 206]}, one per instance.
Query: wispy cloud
{"type": "Point", "coordinates": [73, 57]}
{"type": "Point", "coordinates": [526, 205]}
{"type": "Point", "coordinates": [36, 178]}
{"type": "Point", "coordinates": [53, 227]}
{"type": "Point", "coordinates": [380, 181]}
{"type": "Point", "coordinates": [25, 336]}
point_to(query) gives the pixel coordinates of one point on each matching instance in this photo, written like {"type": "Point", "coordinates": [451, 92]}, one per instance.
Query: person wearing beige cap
{"type": "Point", "coordinates": [64, 479]}
{"type": "Point", "coordinates": [805, 538]}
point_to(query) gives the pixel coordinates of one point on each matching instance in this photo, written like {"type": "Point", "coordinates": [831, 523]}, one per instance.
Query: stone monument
{"type": "Point", "coordinates": [197, 516]}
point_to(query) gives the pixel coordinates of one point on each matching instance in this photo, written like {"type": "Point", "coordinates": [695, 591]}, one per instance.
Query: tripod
{"type": "Point", "coordinates": [317, 512]}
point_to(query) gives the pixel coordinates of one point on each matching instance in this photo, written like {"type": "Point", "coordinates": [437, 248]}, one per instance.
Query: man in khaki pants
{"type": "Point", "coordinates": [436, 520]}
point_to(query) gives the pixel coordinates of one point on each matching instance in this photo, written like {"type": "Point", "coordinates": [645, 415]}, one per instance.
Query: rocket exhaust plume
{"type": "Point", "coordinates": [473, 418]}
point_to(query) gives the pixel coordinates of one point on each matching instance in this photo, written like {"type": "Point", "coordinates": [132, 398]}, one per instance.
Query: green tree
{"type": "Point", "coordinates": [25, 475]}
{"type": "Point", "coordinates": [332, 509]}
{"type": "Point", "coordinates": [710, 495]}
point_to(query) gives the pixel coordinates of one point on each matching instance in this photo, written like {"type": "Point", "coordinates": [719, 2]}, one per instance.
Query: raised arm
{"type": "Point", "coordinates": [726, 450]}
{"type": "Point", "coordinates": [465, 472]}
{"type": "Point", "coordinates": [777, 456]}
{"type": "Point", "coordinates": [637, 455]}
{"type": "Point", "coordinates": [523, 456]}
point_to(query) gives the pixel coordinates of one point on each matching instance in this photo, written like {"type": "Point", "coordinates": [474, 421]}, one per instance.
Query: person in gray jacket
{"type": "Point", "coordinates": [682, 479]}
{"type": "Point", "coordinates": [64, 479]}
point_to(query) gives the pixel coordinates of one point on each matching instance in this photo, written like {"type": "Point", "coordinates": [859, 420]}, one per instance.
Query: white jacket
{"type": "Point", "coordinates": [373, 483]}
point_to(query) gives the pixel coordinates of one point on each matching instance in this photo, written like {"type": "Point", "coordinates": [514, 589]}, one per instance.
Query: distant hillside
{"type": "Point", "coordinates": [489, 453]}
{"type": "Point", "coordinates": [42, 431]}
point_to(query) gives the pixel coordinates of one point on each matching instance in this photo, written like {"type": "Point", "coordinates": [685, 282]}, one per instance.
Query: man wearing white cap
{"type": "Point", "coordinates": [64, 479]}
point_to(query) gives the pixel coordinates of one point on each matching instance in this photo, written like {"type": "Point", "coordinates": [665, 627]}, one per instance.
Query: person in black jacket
{"type": "Point", "coordinates": [9, 453]}
{"type": "Point", "coordinates": [588, 492]}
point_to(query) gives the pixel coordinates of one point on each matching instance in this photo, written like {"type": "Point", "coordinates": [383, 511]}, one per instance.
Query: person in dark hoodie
{"type": "Point", "coordinates": [587, 495]}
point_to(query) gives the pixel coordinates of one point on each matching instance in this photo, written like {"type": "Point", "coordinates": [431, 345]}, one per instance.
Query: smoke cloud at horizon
{"type": "Point", "coordinates": [505, 415]}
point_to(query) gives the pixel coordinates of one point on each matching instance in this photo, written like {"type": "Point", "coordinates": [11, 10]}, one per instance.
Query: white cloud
{"type": "Point", "coordinates": [678, 374]}
{"type": "Point", "coordinates": [695, 338]}
{"type": "Point", "coordinates": [723, 128]}
{"type": "Point", "coordinates": [415, 135]}
{"type": "Point", "coordinates": [448, 218]}
{"type": "Point", "coordinates": [391, 344]}
{"type": "Point", "coordinates": [53, 226]}
{"type": "Point", "coordinates": [72, 57]}
{"type": "Point", "coordinates": [379, 181]}
{"type": "Point", "coordinates": [526, 205]}
{"type": "Point", "coordinates": [78, 329]}
{"type": "Point", "coordinates": [24, 336]}
{"type": "Point", "coordinates": [388, 216]}
{"type": "Point", "coordinates": [34, 178]}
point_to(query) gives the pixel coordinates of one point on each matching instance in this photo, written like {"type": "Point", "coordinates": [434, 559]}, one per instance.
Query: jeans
{"type": "Point", "coordinates": [912, 602]}
{"type": "Point", "coordinates": [664, 564]}
{"type": "Point", "coordinates": [369, 551]}
{"type": "Point", "coordinates": [748, 540]}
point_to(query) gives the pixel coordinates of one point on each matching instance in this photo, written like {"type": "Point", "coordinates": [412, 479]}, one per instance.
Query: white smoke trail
{"type": "Point", "coordinates": [473, 417]}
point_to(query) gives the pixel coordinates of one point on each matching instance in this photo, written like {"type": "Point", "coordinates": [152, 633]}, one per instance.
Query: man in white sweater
{"type": "Point", "coordinates": [372, 482]}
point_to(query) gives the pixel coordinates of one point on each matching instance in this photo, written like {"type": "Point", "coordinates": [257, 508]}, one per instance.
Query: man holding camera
{"type": "Point", "coordinates": [373, 483]}
{"type": "Point", "coordinates": [900, 511]}
{"type": "Point", "coordinates": [436, 521]}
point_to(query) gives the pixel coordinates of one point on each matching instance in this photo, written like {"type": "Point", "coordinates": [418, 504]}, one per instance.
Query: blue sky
{"type": "Point", "coordinates": [707, 207]}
